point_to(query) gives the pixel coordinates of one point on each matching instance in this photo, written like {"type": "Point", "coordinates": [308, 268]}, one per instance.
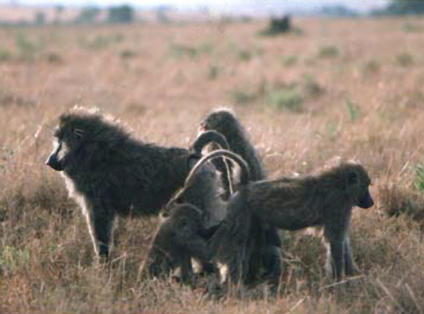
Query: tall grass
{"type": "Point", "coordinates": [46, 257]}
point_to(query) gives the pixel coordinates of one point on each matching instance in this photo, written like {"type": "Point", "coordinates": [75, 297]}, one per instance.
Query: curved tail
{"type": "Point", "coordinates": [213, 136]}
{"type": "Point", "coordinates": [220, 153]}
{"type": "Point", "coordinates": [216, 154]}
{"type": "Point", "coordinates": [206, 138]}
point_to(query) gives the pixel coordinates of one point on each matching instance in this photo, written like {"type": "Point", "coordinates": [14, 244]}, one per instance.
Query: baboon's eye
{"type": "Point", "coordinates": [353, 178]}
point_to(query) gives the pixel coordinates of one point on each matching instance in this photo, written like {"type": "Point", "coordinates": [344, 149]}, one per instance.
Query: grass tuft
{"type": "Point", "coordinates": [328, 52]}
{"type": "Point", "coordinates": [288, 98]}
{"type": "Point", "coordinates": [405, 59]}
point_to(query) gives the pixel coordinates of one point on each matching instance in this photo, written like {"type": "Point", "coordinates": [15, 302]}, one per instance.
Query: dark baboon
{"type": "Point", "coordinates": [230, 240]}
{"type": "Point", "coordinates": [177, 240]}
{"type": "Point", "coordinates": [110, 173]}
{"type": "Point", "coordinates": [291, 204]}
{"type": "Point", "coordinates": [226, 123]}
{"type": "Point", "coordinates": [269, 244]}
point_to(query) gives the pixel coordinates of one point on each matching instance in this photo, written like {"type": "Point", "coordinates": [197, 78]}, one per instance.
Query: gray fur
{"type": "Point", "coordinates": [110, 173]}
{"type": "Point", "coordinates": [324, 200]}
{"type": "Point", "coordinates": [268, 246]}
{"type": "Point", "coordinates": [177, 240]}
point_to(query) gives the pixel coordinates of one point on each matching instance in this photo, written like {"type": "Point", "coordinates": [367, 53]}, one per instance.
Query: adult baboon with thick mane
{"type": "Point", "coordinates": [267, 256]}
{"type": "Point", "coordinates": [324, 200]}
{"type": "Point", "coordinates": [110, 173]}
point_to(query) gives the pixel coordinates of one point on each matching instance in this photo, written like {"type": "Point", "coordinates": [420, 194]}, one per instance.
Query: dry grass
{"type": "Point", "coordinates": [160, 80]}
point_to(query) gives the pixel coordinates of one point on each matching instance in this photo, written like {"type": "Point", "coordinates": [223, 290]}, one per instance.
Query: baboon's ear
{"type": "Point", "coordinates": [78, 132]}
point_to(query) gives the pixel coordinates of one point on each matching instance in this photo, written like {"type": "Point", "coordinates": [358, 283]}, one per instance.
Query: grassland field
{"type": "Point", "coordinates": [348, 88]}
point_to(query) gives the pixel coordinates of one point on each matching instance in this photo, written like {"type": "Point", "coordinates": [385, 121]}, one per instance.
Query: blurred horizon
{"type": "Point", "coordinates": [40, 12]}
{"type": "Point", "coordinates": [218, 5]}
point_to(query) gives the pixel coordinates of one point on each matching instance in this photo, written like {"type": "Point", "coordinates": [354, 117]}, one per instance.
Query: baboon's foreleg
{"type": "Point", "coordinates": [335, 255]}
{"type": "Point", "coordinates": [100, 221]}
{"type": "Point", "coordinates": [196, 248]}
{"type": "Point", "coordinates": [186, 268]}
{"type": "Point", "coordinates": [337, 258]}
{"type": "Point", "coordinates": [350, 267]}
{"type": "Point", "coordinates": [199, 248]}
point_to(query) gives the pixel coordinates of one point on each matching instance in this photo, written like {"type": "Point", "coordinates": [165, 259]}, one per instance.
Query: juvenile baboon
{"type": "Point", "coordinates": [234, 228]}
{"type": "Point", "coordinates": [177, 240]}
{"type": "Point", "coordinates": [269, 244]}
{"type": "Point", "coordinates": [110, 173]}
{"type": "Point", "coordinates": [324, 200]}
{"type": "Point", "coordinates": [226, 123]}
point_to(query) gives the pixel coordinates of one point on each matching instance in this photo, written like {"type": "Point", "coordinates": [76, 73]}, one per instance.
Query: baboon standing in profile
{"type": "Point", "coordinates": [177, 240]}
{"type": "Point", "coordinates": [324, 200]}
{"type": "Point", "coordinates": [110, 173]}
{"type": "Point", "coordinates": [225, 122]}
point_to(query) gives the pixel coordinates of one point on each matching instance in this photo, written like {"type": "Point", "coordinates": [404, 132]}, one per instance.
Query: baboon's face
{"type": "Point", "coordinates": [56, 159]}
{"type": "Point", "coordinates": [185, 218]}
{"type": "Point", "coordinates": [66, 141]}
{"type": "Point", "coordinates": [359, 182]}
{"type": "Point", "coordinates": [218, 120]}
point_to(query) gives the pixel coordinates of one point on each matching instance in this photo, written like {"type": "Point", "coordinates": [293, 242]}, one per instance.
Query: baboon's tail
{"type": "Point", "coordinates": [206, 138]}
{"type": "Point", "coordinates": [212, 136]}
{"type": "Point", "coordinates": [220, 153]}
{"type": "Point", "coordinates": [216, 154]}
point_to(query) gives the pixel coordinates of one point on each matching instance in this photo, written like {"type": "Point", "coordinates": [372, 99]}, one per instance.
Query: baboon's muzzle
{"type": "Point", "coordinates": [366, 201]}
{"type": "Point", "coordinates": [54, 163]}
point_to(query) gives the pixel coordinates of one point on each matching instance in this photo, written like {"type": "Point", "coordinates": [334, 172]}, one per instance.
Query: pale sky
{"type": "Point", "coordinates": [219, 4]}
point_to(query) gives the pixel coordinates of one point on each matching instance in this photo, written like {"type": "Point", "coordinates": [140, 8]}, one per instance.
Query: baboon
{"type": "Point", "coordinates": [110, 173]}
{"type": "Point", "coordinates": [177, 240]}
{"type": "Point", "coordinates": [226, 122]}
{"type": "Point", "coordinates": [324, 200]}
{"type": "Point", "coordinates": [219, 142]}
{"type": "Point", "coordinates": [235, 236]}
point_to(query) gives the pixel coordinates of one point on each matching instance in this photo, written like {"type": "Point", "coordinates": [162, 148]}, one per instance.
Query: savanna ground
{"type": "Point", "coordinates": [349, 88]}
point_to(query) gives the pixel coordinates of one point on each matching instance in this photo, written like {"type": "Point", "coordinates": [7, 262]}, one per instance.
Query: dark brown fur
{"type": "Point", "coordinates": [226, 123]}
{"type": "Point", "coordinates": [324, 200]}
{"type": "Point", "coordinates": [268, 246]}
{"type": "Point", "coordinates": [177, 240]}
{"type": "Point", "coordinates": [110, 173]}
